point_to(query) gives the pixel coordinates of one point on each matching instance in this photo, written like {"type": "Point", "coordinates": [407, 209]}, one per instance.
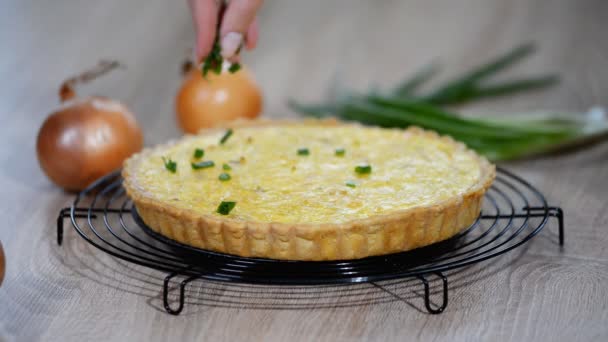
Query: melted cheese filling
{"type": "Point", "coordinates": [270, 182]}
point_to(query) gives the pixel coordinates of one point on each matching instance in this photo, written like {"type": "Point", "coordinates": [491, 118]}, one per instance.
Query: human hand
{"type": "Point", "coordinates": [238, 26]}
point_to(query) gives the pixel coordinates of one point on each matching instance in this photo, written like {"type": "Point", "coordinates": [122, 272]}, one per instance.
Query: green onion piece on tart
{"type": "Point", "coordinates": [224, 177]}
{"type": "Point", "coordinates": [225, 207]}
{"type": "Point", "coordinates": [199, 153]}
{"type": "Point", "coordinates": [203, 165]}
{"type": "Point", "coordinates": [226, 167]}
{"type": "Point", "coordinates": [363, 169]}
{"type": "Point", "coordinates": [234, 68]}
{"type": "Point", "coordinates": [303, 152]}
{"type": "Point", "coordinates": [340, 152]}
{"type": "Point", "coordinates": [170, 165]}
{"type": "Point", "coordinates": [351, 184]}
{"type": "Point", "coordinates": [226, 136]}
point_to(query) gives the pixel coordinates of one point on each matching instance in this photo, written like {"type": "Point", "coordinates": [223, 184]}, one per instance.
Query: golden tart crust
{"type": "Point", "coordinates": [395, 231]}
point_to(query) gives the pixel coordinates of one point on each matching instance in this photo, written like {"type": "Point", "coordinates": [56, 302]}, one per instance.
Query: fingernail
{"type": "Point", "coordinates": [231, 44]}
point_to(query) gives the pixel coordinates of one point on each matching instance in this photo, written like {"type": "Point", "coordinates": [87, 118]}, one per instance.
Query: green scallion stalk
{"type": "Point", "coordinates": [497, 138]}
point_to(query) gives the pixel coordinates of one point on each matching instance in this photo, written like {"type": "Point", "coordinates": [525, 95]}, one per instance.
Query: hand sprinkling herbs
{"type": "Point", "coordinates": [220, 40]}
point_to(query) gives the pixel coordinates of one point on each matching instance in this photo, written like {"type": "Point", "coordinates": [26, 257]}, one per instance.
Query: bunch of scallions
{"type": "Point", "coordinates": [507, 137]}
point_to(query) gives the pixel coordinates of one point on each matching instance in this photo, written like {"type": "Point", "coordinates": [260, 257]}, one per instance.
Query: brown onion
{"type": "Point", "coordinates": [86, 138]}
{"type": "Point", "coordinates": [202, 103]}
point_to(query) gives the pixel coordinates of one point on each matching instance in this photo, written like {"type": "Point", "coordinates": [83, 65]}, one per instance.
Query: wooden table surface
{"type": "Point", "coordinates": [75, 292]}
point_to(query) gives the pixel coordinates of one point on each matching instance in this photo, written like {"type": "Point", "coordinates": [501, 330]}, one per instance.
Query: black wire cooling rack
{"type": "Point", "coordinates": [513, 213]}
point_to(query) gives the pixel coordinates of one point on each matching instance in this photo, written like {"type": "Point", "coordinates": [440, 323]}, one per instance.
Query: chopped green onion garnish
{"type": "Point", "coordinates": [351, 184]}
{"type": "Point", "coordinates": [303, 152]}
{"type": "Point", "coordinates": [199, 153]}
{"type": "Point", "coordinates": [226, 136]}
{"type": "Point", "coordinates": [203, 165]}
{"type": "Point", "coordinates": [363, 169]}
{"type": "Point", "coordinates": [224, 177]}
{"type": "Point", "coordinates": [234, 68]}
{"type": "Point", "coordinates": [214, 60]}
{"type": "Point", "coordinates": [170, 165]}
{"type": "Point", "coordinates": [340, 152]}
{"type": "Point", "coordinates": [226, 167]}
{"type": "Point", "coordinates": [225, 207]}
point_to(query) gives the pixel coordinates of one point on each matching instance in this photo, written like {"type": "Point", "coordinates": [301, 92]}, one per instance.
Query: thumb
{"type": "Point", "coordinates": [239, 16]}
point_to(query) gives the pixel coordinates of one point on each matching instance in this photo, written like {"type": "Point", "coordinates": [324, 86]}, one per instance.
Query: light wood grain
{"type": "Point", "coordinates": [541, 292]}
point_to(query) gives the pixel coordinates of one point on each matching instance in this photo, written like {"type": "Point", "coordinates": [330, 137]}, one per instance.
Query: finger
{"type": "Point", "coordinates": [251, 41]}
{"type": "Point", "coordinates": [234, 59]}
{"type": "Point", "coordinates": [204, 15]}
{"type": "Point", "coordinates": [235, 24]}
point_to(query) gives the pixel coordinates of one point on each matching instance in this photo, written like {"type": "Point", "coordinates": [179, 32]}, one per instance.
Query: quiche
{"type": "Point", "coordinates": [308, 190]}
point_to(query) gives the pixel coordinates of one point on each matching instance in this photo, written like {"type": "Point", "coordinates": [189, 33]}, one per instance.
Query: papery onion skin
{"type": "Point", "coordinates": [202, 103]}
{"type": "Point", "coordinates": [85, 140]}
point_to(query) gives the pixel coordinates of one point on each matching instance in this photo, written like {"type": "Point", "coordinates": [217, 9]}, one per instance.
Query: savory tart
{"type": "Point", "coordinates": [308, 190]}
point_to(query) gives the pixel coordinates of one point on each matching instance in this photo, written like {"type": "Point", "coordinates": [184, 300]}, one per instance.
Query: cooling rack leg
{"type": "Point", "coordinates": [166, 296]}
{"type": "Point", "coordinates": [67, 212]}
{"type": "Point", "coordinates": [549, 211]}
{"type": "Point", "coordinates": [63, 213]}
{"type": "Point", "coordinates": [182, 291]}
{"type": "Point", "coordinates": [559, 213]}
{"type": "Point", "coordinates": [427, 294]}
